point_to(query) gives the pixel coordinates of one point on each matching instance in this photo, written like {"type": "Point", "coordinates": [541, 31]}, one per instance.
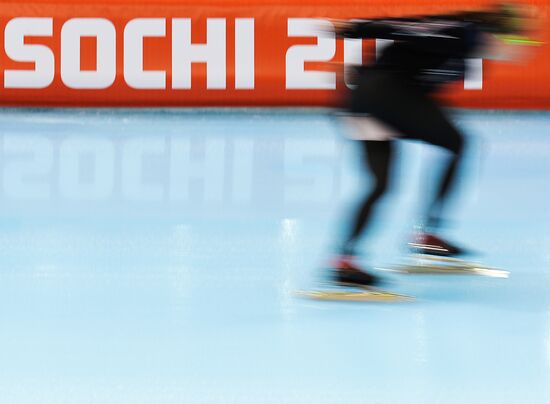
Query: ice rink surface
{"type": "Point", "coordinates": [152, 257]}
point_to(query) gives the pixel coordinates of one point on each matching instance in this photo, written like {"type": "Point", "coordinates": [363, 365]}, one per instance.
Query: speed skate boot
{"type": "Point", "coordinates": [430, 244]}
{"type": "Point", "coordinates": [346, 272]}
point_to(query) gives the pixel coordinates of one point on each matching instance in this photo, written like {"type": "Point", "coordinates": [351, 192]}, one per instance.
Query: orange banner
{"type": "Point", "coordinates": [224, 53]}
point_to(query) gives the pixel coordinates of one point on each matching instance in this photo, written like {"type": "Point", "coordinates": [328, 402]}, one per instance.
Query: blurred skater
{"type": "Point", "coordinates": [393, 99]}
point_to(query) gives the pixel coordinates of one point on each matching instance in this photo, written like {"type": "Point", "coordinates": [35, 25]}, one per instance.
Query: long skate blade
{"type": "Point", "coordinates": [367, 295]}
{"type": "Point", "coordinates": [466, 269]}
{"type": "Point", "coordinates": [435, 264]}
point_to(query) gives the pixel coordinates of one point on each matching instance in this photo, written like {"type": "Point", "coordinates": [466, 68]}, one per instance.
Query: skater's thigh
{"type": "Point", "coordinates": [410, 112]}
{"type": "Point", "coordinates": [418, 116]}
{"type": "Point", "coordinates": [427, 121]}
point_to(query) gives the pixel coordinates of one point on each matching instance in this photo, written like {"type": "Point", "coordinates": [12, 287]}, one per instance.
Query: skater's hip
{"type": "Point", "coordinates": [402, 108]}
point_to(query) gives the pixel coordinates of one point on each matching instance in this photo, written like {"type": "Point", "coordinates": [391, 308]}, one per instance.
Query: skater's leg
{"type": "Point", "coordinates": [377, 156]}
{"type": "Point", "coordinates": [436, 129]}
{"type": "Point", "coordinates": [427, 241]}
{"type": "Point", "coordinates": [453, 141]}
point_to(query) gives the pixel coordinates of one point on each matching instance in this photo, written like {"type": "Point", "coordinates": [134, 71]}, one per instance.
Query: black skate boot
{"type": "Point", "coordinates": [430, 244]}
{"type": "Point", "coordinates": [346, 273]}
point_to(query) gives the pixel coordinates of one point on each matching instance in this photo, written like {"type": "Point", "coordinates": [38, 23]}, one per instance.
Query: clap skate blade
{"type": "Point", "coordinates": [356, 293]}
{"type": "Point", "coordinates": [432, 264]}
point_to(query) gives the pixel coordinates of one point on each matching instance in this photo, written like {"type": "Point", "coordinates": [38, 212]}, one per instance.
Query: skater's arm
{"type": "Point", "coordinates": [448, 37]}
{"type": "Point", "coordinates": [364, 29]}
{"type": "Point", "coordinates": [454, 41]}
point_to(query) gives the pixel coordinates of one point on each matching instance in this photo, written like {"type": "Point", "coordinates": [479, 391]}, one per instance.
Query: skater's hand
{"type": "Point", "coordinates": [341, 26]}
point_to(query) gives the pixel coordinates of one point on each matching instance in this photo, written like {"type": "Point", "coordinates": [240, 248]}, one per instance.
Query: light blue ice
{"type": "Point", "coordinates": [152, 257]}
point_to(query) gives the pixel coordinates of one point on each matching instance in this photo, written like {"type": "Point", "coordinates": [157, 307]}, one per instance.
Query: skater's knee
{"type": "Point", "coordinates": [455, 144]}
{"type": "Point", "coordinates": [380, 188]}
{"type": "Point", "coordinates": [459, 146]}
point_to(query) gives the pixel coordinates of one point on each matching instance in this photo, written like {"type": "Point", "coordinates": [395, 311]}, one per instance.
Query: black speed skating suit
{"type": "Point", "coordinates": [397, 89]}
